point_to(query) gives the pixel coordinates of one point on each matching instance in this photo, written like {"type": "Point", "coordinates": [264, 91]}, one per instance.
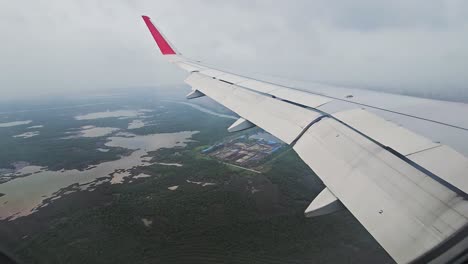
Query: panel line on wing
{"type": "Point", "coordinates": [344, 100]}
{"type": "Point", "coordinates": [385, 193]}
{"type": "Point", "coordinates": [318, 119]}
{"type": "Point", "coordinates": [422, 150]}
{"type": "Point", "coordinates": [437, 178]}
{"type": "Point", "coordinates": [391, 150]}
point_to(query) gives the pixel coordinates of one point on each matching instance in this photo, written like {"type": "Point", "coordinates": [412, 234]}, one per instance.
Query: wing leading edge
{"type": "Point", "coordinates": [405, 185]}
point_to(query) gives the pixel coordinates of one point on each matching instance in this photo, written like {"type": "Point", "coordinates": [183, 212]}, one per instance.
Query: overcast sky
{"type": "Point", "coordinates": [68, 46]}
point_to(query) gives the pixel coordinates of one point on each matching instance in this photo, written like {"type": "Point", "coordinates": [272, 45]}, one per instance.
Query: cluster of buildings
{"type": "Point", "coordinates": [244, 151]}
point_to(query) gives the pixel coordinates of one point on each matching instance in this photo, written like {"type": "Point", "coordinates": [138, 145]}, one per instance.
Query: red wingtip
{"type": "Point", "coordinates": [163, 45]}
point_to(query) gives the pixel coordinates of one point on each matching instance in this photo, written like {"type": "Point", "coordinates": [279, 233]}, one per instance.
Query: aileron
{"type": "Point", "coordinates": [385, 132]}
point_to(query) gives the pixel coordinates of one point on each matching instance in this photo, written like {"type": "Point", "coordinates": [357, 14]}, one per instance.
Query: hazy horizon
{"type": "Point", "coordinates": [75, 47]}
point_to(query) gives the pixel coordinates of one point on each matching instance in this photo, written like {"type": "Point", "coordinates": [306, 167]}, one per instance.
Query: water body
{"type": "Point", "coordinates": [102, 150]}
{"type": "Point", "coordinates": [173, 188]}
{"type": "Point", "coordinates": [136, 124]}
{"type": "Point", "coordinates": [30, 169]}
{"type": "Point", "coordinates": [150, 142]}
{"type": "Point", "coordinates": [27, 134]}
{"type": "Point", "coordinates": [141, 175]}
{"type": "Point", "coordinates": [119, 177]}
{"type": "Point", "coordinates": [124, 134]}
{"type": "Point", "coordinates": [97, 131]}
{"type": "Point", "coordinates": [208, 111]}
{"type": "Point", "coordinates": [15, 123]}
{"type": "Point", "coordinates": [147, 222]}
{"type": "Point", "coordinates": [91, 132]}
{"type": "Point", "coordinates": [22, 169]}
{"type": "Point", "coordinates": [169, 164]}
{"type": "Point", "coordinates": [26, 195]}
{"type": "Point", "coordinates": [38, 126]}
{"type": "Point", "coordinates": [107, 114]}
{"type": "Point", "coordinates": [201, 183]}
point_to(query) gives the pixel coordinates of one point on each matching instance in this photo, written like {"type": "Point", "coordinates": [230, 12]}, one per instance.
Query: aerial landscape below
{"type": "Point", "coordinates": [146, 177]}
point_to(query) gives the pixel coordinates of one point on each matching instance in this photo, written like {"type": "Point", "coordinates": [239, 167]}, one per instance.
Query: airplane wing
{"type": "Point", "coordinates": [397, 163]}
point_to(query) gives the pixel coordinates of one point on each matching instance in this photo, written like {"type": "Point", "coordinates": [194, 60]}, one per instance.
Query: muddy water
{"type": "Point", "coordinates": [27, 134]}
{"type": "Point", "coordinates": [97, 131]}
{"type": "Point", "coordinates": [16, 123]}
{"type": "Point", "coordinates": [24, 196]}
{"type": "Point", "coordinates": [117, 113]}
{"type": "Point", "coordinates": [136, 124]}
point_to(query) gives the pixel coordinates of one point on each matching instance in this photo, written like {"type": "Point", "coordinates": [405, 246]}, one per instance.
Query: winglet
{"type": "Point", "coordinates": [163, 44]}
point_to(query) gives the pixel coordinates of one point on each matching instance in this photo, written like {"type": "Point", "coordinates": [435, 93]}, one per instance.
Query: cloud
{"type": "Point", "coordinates": [416, 47]}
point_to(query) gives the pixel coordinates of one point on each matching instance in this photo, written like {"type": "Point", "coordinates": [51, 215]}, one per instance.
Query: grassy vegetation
{"type": "Point", "coordinates": [51, 149]}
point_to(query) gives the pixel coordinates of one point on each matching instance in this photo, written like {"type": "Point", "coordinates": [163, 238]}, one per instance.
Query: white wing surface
{"type": "Point", "coordinates": [397, 163]}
